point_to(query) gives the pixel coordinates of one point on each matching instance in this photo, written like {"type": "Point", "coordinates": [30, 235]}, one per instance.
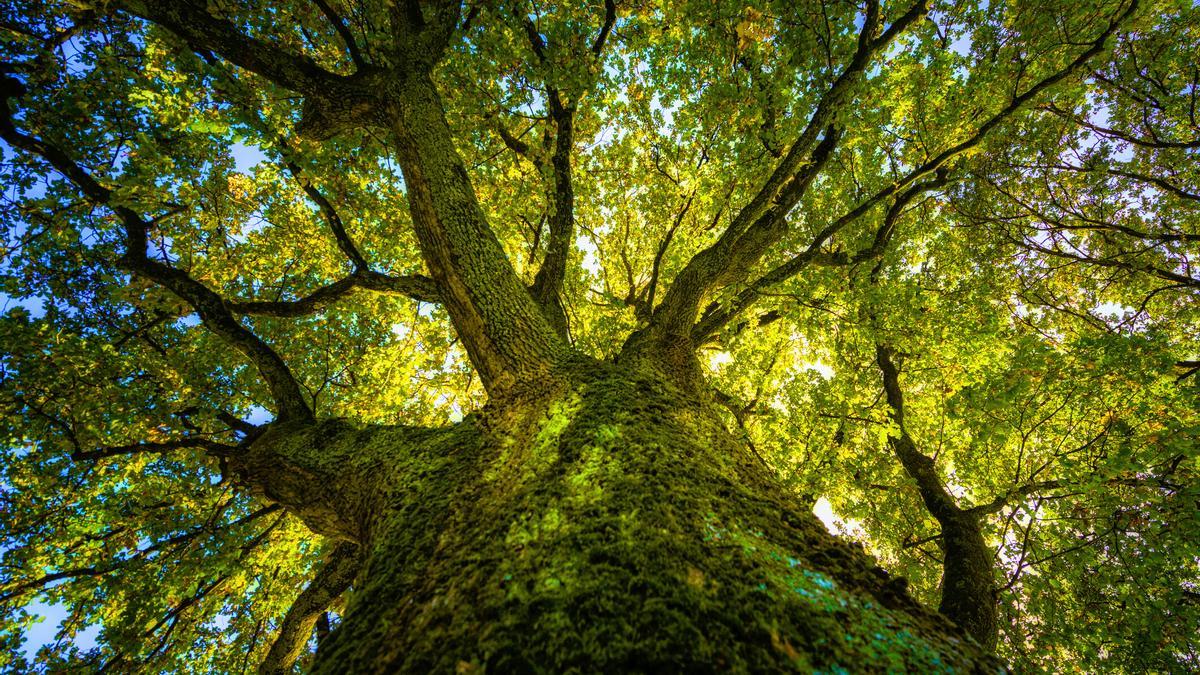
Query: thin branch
{"type": "Point", "coordinates": [661, 253]}
{"type": "Point", "coordinates": [331, 215]}
{"type": "Point", "coordinates": [18, 589]}
{"type": "Point", "coordinates": [1156, 143]}
{"type": "Point", "coordinates": [415, 286]}
{"type": "Point", "coordinates": [157, 448]}
{"type": "Point", "coordinates": [344, 32]}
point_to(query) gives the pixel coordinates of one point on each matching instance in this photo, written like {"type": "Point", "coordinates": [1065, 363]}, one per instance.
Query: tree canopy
{"type": "Point", "coordinates": [936, 258]}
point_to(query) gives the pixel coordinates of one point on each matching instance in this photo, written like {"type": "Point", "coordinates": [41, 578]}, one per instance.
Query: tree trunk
{"type": "Point", "coordinates": [610, 525]}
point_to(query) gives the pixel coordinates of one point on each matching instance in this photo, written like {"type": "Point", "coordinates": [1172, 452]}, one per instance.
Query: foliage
{"type": "Point", "coordinates": [1021, 227]}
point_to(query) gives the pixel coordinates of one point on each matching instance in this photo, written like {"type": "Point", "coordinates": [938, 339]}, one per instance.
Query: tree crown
{"type": "Point", "coordinates": [967, 224]}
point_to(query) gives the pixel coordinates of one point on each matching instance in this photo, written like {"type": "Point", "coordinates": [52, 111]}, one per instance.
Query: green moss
{"type": "Point", "coordinates": [869, 632]}
{"type": "Point", "coordinates": [526, 455]}
{"type": "Point", "coordinates": [620, 529]}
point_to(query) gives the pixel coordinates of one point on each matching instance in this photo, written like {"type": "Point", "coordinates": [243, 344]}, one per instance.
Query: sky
{"type": "Point", "coordinates": [43, 632]}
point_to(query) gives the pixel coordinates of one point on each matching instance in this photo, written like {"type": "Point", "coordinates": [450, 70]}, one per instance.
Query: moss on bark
{"type": "Point", "coordinates": [615, 526]}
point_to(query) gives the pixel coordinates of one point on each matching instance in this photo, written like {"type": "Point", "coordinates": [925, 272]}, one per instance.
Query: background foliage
{"type": "Point", "coordinates": [1042, 299]}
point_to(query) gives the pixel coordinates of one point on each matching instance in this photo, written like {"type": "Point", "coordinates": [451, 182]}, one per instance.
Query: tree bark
{"type": "Point", "coordinates": [610, 524]}
{"type": "Point", "coordinates": [969, 593]}
{"type": "Point", "coordinates": [504, 331]}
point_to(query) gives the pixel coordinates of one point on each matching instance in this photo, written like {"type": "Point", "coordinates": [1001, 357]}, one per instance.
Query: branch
{"type": "Point", "coordinates": [331, 215]}
{"type": "Point", "coordinates": [1191, 368]}
{"type": "Point", "coordinates": [238, 424]}
{"type": "Point", "coordinates": [415, 286]}
{"type": "Point", "coordinates": [192, 21]}
{"type": "Point", "coordinates": [659, 255]}
{"type": "Point", "coordinates": [1112, 262]}
{"type": "Point", "coordinates": [334, 577]}
{"type": "Point", "coordinates": [505, 331]}
{"type": "Point", "coordinates": [547, 285]}
{"type": "Point", "coordinates": [761, 223]}
{"type": "Point", "coordinates": [212, 447]}
{"type": "Point", "coordinates": [610, 17]}
{"type": "Point", "coordinates": [344, 32]}
{"type": "Point", "coordinates": [209, 306]}
{"type": "Point", "coordinates": [968, 587]}
{"type": "Point", "coordinates": [331, 102]}
{"type": "Point", "coordinates": [1155, 143]}
{"type": "Point", "coordinates": [15, 590]}
{"type": "Point", "coordinates": [514, 143]}
{"type": "Point", "coordinates": [715, 318]}
{"type": "Point", "coordinates": [1022, 491]}
{"type": "Point", "coordinates": [1015, 105]}
{"type": "Point", "coordinates": [917, 465]}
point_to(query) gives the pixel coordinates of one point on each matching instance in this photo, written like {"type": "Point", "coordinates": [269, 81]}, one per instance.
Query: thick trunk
{"type": "Point", "coordinates": [610, 526]}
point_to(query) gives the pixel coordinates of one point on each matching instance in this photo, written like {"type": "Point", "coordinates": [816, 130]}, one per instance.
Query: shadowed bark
{"type": "Point", "coordinates": [334, 577]}
{"type": "Point", "coordinates": [969, 592]}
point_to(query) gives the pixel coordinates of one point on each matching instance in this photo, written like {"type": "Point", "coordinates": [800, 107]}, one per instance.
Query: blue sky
{"type": "Point", "coordinates": [43, 632]}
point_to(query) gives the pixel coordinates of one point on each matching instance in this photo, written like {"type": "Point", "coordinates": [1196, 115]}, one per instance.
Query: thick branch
{"type": "Point", "coordinates": [192, 21]}
{"type": "Point", "coordinates": [416, 286]}
{"type": "Point", "coordinates": [334, 577]}
{"type": "Point", "coordinates": [968, 589]}
{"type": "Point", "coordinates": [503, 329]}
{"type": "Point", "coordinates": [904, 187]}
{"type": "Point", "coordinates": [514, 143]}
{"type": "Point", "coordinates": [918, 466]}
{"type": "Point", "coordinates": [610, 17]}
{"type": "Point", "coordinates": [548, 284]}
{"type": "Point", "coordinates": [332, 102]}
{"type": "Point", "coordinates": [715, 317]}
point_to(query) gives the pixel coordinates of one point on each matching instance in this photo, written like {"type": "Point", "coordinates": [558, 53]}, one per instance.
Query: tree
{"type": "Point", "coordinates": [490, 336]}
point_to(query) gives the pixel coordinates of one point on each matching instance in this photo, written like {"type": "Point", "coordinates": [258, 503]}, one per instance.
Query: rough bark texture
{"type": "Point", "coordinates": [503, 329]}
{"type": "Point", "coordinates": [334, 577]}
{"type": "Point", "coordinates": [968, 585]}
{"type": "Point", "coordinates": [609, 525]}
